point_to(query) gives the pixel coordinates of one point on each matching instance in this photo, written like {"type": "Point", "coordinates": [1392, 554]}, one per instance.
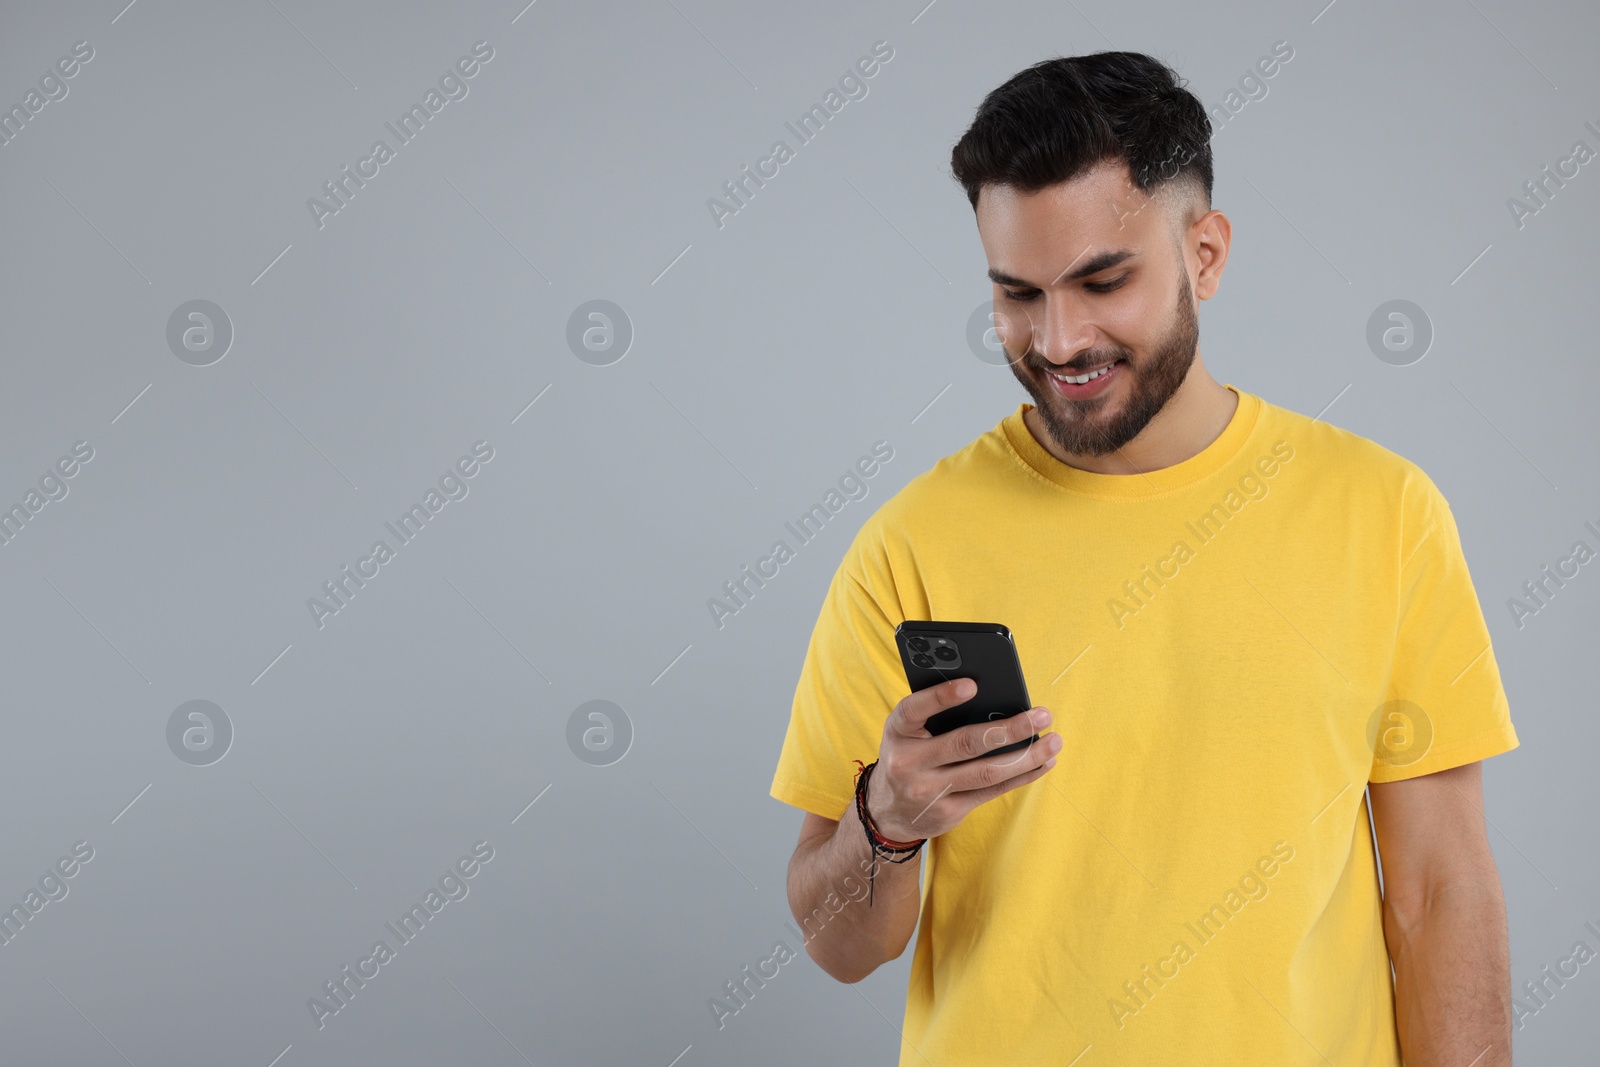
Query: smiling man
{"type": "Point", "coordinates": [1258, 636]}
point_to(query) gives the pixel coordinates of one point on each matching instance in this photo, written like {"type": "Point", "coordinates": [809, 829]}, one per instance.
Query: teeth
{"type": "Point", "coordinates": [1082, 379]}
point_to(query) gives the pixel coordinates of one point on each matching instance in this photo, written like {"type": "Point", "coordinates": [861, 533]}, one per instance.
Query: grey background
{"type": "Point", "coordinates": [768, 355]}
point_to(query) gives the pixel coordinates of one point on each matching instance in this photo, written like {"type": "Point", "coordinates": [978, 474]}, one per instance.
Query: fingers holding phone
{"type": "Point", "coordinates": [926, 783]}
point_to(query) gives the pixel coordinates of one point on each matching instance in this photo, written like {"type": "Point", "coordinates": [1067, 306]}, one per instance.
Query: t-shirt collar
{"type": "Point", "coordinates": [1207, 461]}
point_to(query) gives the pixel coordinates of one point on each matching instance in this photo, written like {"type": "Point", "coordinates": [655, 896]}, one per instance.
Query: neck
{"type": "Point", "coordinates": [1195, 416]}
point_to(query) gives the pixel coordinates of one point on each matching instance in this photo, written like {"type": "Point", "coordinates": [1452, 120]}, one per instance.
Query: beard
{"type": "Point", "coordinates": [1085, 427]}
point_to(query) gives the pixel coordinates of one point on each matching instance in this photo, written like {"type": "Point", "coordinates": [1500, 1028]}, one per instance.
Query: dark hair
{"type": "Point", "coordinates": [1059, 118]}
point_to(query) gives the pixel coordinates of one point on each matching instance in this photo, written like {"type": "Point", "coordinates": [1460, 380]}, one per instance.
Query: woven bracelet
{"type": "Point", "coordinates": [880, 845]}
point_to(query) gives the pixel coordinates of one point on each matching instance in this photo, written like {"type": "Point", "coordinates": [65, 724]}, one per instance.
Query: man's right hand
{"type": "Point", "coordinates": [920, 788]}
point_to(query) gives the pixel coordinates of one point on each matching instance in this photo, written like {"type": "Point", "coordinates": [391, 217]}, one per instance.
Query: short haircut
{"type": "Point", "coordinates": [1061, 117]}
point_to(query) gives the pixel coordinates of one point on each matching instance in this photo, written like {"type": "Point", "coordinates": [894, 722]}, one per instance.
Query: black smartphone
{"type": "Point", "coordinates": [934, 652]}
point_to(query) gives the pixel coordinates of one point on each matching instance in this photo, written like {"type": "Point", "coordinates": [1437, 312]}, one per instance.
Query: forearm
{"type": "Point", "coordinates": [828, 894]}
{"type": "Point", "coordinates": [1453, 976]}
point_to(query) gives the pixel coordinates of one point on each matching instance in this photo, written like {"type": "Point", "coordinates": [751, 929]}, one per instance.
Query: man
{"type": "Point", "coordinates": [1240, 616]}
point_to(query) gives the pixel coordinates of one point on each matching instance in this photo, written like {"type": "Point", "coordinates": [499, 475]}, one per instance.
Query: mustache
{"type": "Point", "coordinates": [1078, 366]}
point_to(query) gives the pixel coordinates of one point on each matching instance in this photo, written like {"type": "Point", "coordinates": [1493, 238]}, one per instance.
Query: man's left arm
{"type": "Point", "coordinates": [1444, 918]}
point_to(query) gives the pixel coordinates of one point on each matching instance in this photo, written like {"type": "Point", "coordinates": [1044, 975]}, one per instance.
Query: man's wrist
{"type": "Point", "coordinates": [890, 835]}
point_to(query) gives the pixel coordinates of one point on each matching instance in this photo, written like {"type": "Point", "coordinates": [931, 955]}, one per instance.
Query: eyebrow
{"type": "Point", "coordinates": [1093, 265]}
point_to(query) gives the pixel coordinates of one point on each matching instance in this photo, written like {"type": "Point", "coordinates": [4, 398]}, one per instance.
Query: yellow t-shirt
{"type": "Point", "coordinates": [1223, 644]}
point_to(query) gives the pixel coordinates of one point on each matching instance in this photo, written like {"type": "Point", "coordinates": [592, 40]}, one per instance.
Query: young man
{"type": "Point", "coordinates": [1241, 617]}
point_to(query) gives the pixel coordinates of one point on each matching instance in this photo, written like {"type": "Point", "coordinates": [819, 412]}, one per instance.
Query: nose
{"type": "Point", "coordinates": [1057, 327]}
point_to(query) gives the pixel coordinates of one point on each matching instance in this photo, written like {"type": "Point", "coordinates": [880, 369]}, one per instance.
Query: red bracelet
{"type": "Point", "coordinates": [880, 845]}
{"type": "Point", "coordinates": [866, 817]}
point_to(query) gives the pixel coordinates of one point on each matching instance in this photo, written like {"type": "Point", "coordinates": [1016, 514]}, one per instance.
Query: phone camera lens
{"type": "Point", "coordinates": [945, 654]}
{"type": "Point", "coordinates": [922, 660]}
{"type": "Point", "coordinates": [919, 644]}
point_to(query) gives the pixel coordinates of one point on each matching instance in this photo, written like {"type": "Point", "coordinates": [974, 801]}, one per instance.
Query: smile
{"type": "Point", "coordinates": [1080, 379]}
{"type": "Point", "coordinates": [1083, 379]}
{"type": "Point", "coordinates": [1086, 386]}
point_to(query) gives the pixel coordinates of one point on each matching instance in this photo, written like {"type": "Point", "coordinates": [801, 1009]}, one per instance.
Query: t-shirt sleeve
{"type": "Point", "coordinates": [850, 681]}
{"type": "Point", "coordinates": [1445, 704]}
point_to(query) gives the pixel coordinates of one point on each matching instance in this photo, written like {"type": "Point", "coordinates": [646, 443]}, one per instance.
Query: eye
{"type": "Point", "coordinates": [1094, 287]}
{"type": "Point", "coordinates": [1107, 287]}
